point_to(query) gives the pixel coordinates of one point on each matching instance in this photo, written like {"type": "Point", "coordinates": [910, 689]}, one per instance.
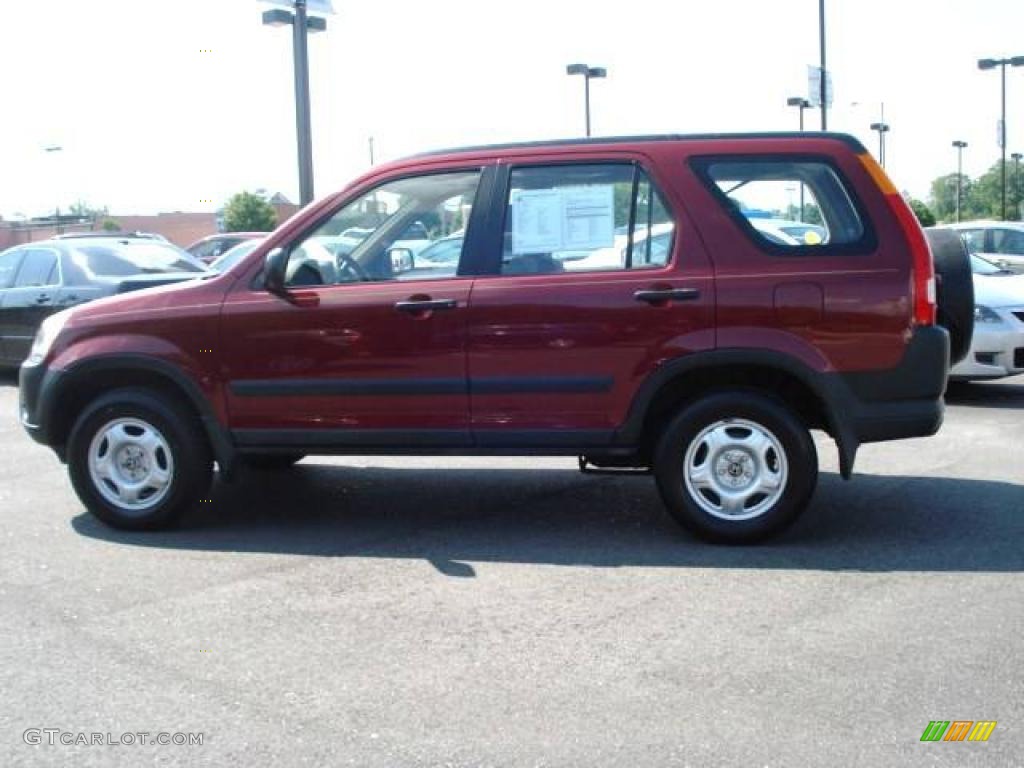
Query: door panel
{"type": "Point", "coordinates": [570, 352]}
{"type": "Point", "coordinates": [33, 297]}
{"type": "Point", "coordinates": [9, 262]}
{"type": "Point", "coordinates": [345, 357]}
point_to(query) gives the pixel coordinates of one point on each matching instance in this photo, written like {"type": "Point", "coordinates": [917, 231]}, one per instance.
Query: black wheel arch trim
{"type": "Point", "coordinates": [903, 401]}
{"type": "Point", "coordinates": [832, 396]}
{"type": "Point", "coordinates": [55, 381]}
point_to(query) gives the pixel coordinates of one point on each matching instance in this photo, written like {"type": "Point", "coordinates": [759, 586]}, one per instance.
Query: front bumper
{"type": "Point", "coordinates": [30, 385]}
{"type": "Point", "coordinates": [997, 350]}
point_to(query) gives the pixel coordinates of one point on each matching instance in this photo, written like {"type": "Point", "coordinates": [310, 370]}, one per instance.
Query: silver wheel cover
{"type": "Point", "coordinates": [130, 464]}
{"type": "Point", "coordinates": [735, 469]}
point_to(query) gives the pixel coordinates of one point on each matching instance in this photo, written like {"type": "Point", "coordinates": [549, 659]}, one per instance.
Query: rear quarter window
{"type": "Point", "coordinates": [791, 206]}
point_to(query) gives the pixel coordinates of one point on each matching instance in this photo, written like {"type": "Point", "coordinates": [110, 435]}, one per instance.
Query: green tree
{"type": "Point", "coordinates": [109, 225]}
{"type": "Point", "coordinates": [249, 212]}
{"type": "Point", "coordinates": [986, 198]}
{"type": "Point", "coordinates": [924, 215]}
{"type": "Point", "coordinates": [811, 214]}
{"type": "Point", "coordinates": [942, 197]}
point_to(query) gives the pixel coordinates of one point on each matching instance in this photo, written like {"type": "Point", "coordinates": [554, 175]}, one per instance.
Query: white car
{"type": "Point", "coordinates": [997, 349]}
{"type": "Point", "coordinates": [614, 257]}
{"type": "Point", "coordinates": [1001, 242]}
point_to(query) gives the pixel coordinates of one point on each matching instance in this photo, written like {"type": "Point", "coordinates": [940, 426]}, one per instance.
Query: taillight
{"type": "Point", "coordinates": [924, 301]}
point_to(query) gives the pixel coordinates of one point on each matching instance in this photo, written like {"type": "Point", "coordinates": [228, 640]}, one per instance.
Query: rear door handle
{"type": "Point", "coordinates": [43, 299]}
{"type": "Point", "coordinates": [663, 295]}
{"type": "Point", "coordinates": [414, 306]}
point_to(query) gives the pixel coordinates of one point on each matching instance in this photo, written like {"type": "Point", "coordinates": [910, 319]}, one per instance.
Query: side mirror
{"type": "Point", "coordinates": [401, 259]}
{"type": "Point", "coordinates": [274, 266]}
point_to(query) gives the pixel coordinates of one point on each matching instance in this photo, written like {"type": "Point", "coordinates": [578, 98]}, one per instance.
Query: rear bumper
{"type": "Point", "coordinates": [901, 402]}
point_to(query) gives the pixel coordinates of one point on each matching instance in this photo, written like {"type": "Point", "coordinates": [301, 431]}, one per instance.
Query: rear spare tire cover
{"type": "Point", "coordinates": [954, 289]}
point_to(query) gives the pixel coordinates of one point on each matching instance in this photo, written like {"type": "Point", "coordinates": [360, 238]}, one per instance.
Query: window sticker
{"type": "Point", "coordinates": [568, 218]}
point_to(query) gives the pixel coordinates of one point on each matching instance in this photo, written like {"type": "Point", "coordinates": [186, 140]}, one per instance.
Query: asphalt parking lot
{"type": "Point", "coordinates": [468, 612]}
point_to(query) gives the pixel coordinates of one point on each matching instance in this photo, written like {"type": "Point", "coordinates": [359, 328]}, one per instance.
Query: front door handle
{"type": "Point", "coordinates": [417, 306]}
{"type": "Point", "coordinates": [664, 295]}
{"type": "Point", "coordinates": [43, 298]}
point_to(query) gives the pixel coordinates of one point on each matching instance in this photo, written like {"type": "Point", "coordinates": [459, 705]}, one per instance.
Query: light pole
{"type": "Point", "coordinates": [801, 103]}
{"type": "Point", "coordinates": [960, 145]}
{"type": "Point", "coordinates": [1016, 157]}
{"type": "Point", "coordinates": [588, 73]}
{"type": "Point", "coordinates": [882, 128]}
{"type": "Point", "coordinates": [51, 150]}
{"type": "Point", "coordinates": [301, 25]}
{"type": "Point", "coordinates": [822, 86]}
{"type": "Point", "coordinates": [1015, 61]}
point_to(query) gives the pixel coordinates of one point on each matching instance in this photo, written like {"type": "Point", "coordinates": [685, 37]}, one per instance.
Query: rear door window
{"type": "Point", "coordinates": [789, 206]}
{"type": "Point", "coordinates": [584, 218]}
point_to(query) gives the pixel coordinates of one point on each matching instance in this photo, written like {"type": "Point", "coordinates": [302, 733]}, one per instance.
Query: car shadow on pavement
{"type": "Point", "coordinates": [454, 517]}
{"type": "Point", "coordinates": [8, 377]}
{"type": "Point", "coordinates": [986, 394]}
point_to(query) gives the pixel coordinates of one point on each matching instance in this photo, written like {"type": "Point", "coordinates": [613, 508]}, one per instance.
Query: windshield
{"type": "Point", "coordinates": [136, 258]}
{"type": "Point", "coordinates": [233, 256]}
{"type": "Point", "coordinates": [980, 266]}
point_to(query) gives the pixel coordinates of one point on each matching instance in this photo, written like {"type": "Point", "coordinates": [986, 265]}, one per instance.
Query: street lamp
{"type": "Point", "coordinates": [50, 150]}
{"type": "Point", "coordinates": [882, 128]}
{"type": "Point", "coordinates": [960, 145]}
{"type": "Point", "coordinates": [801, 103]}
{"type": "Point", "coordinates": [588, 73]}
{"type": "Point", "coordinates": [301, 24]}
{"type": "Point", "coordinates": [823, 85]}
{"type": "Point", "coordinates": [1016, 157]}
{"type": "Point", "coordinates": [1015, 61]}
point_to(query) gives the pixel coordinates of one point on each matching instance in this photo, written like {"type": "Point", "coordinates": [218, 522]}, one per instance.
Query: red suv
{"type": "Point", "coordinates": [694, 305]}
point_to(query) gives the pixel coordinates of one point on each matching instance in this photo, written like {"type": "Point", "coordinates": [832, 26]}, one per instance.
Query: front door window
{"type": "Point", "coordinates": [408, 229]}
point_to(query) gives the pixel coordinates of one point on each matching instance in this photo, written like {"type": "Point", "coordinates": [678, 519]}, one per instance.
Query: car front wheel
{"type": "Point", "coordinates": [138, 459]}
{"type": "Point", "coordinates": [736, 467]}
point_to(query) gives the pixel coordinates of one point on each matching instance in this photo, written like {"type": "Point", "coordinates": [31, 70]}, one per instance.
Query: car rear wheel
{"type": "Point", "coordinates": [736, 467]}
{"type": "Point", "coordinates": [138, 459]}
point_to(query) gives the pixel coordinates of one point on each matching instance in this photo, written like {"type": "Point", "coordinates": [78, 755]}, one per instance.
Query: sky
{"type": "Point", "coordinates": [175, 106]}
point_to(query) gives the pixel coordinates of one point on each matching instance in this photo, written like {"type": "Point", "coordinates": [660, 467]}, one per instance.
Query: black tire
{"type": "Point", "coordinates": [735, 411]}
{"type": "Point", "coordinates": [184, 451]}
{"type": "Point", "coordinates": [272, 462]}
{"type": "Point", "coordinates": [954, 289]}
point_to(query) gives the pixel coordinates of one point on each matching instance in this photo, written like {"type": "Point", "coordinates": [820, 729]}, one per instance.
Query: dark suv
{"type": "Point", "coordinates": [635, 302]}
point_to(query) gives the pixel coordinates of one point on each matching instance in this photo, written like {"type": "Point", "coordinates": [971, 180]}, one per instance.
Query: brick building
{"type": "Point", "coordinates": [181, 228]}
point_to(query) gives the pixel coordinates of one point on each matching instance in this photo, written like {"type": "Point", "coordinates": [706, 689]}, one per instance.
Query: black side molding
{"type": "Point", "coordinates": [415, 386]}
